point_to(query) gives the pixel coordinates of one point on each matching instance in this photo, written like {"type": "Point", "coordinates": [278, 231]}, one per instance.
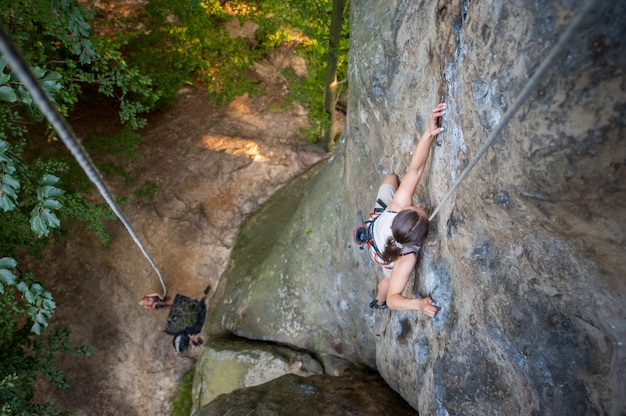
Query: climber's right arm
{"type": "Point", "coordinates": [404, 195]}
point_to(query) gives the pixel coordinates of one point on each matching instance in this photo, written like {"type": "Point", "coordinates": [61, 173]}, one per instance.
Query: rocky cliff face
{"type": "Point", "coordinates": [527, 258]}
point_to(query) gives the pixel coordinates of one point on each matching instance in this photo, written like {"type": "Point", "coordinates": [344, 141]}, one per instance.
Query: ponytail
{"type": "Point", "coordinates": [408, 229]}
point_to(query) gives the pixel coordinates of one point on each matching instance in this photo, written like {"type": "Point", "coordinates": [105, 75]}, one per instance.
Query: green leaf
{"type": "Point", "coordinates": [7, 203]}
{"type": "Point", "coordinates": [36, 328]}
{"type": "Point", "coordinates": [38, 72]}
{"type": "Point", "coordinates": [52, 204]}
{"type": "Point", "coordinates": [51, 191]}
{"type": "Point", "coordinates": [7, 263]}
{"type": "Point", "coordinates": [50, 218]}
{"type": "Point", "coordinates": [52, 76]}
{"type": "Point", "coordinates": [29, 296]}
{"type": "Point", "coordinates": [11, 181]}
{"type": "Point", "coordinates": [4, 78]}
{"type": "Point", "coordinates": [7, 94]}
{"type": "Point", "coordinates": [41, 318]}
{"type": "Point", "coordinates": [76, 48]}
{"type": "Point", "coordinates": [48, 179]}
{"type": "Point", "coordinates": [24, 95]}
{"type": "Point", "coordinates": [37, 224]}
{"type": "Point", "coordinates": [7, 277]}
{"type": "Point", "coordinates": [22, 287]}
{"type": "Point", "coordinates": [51, 86]}
{"type": "Point", "coordinates": [49, 304]}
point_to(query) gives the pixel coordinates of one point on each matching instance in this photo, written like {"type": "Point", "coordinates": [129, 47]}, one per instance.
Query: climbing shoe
{"type": "Point", "coordinates": [374, 304]}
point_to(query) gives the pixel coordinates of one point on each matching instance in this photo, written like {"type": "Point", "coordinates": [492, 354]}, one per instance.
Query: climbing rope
{"type": "Point", "coordinates": [566, 36]}
{"type": "Point", "coordinates": [19, 66]}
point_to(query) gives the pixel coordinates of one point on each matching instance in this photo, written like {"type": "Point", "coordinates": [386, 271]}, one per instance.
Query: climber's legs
{"type": "Point", "coordinates": [391, 179]}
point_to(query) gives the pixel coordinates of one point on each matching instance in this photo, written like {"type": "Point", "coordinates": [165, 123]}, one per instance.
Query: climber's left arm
{"type": "Point", "coordinates": [400, 274]}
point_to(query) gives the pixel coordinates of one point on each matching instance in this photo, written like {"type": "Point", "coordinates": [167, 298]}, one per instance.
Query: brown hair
{"type": "Point", "coordinates": [409, 229]}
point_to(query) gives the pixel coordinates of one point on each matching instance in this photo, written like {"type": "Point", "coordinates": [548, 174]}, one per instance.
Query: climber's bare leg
{"type": "Point", "coordinates": [391, 179]}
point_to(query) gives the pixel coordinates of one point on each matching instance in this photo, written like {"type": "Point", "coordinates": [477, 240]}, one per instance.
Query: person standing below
{"type": "Point", "coordinates": [399, 228]}
{"type": "Point", "coordinates": [153, 301]}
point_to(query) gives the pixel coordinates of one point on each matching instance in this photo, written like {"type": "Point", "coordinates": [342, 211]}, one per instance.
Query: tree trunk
{"type": "Point", "coordinates": [331, 69]}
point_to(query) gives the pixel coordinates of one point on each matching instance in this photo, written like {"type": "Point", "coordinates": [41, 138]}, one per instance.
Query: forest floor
{"type": "Point", "coordinates": [213, 168]}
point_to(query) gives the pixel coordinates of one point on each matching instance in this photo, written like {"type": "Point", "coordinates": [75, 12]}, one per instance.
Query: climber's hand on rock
{"type": "Point", "coordinates": [433, 122]}
{"type": "Point", "coordinates": [427, 307]}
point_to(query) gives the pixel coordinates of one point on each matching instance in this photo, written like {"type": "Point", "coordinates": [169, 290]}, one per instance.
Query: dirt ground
{"type": "Point", "coordinates": [213, 167]}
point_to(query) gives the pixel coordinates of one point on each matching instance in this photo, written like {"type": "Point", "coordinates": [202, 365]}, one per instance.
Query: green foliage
{"type": "Point", "coordinates": [35, 212]}
{"type": "Point", "coordinates": [25, 305]}
{"type": "Point", "coordinates": [122, 144]}
{"type": "Point", "coordinates": [309, 92]}
{"type": "Point", "coordinates": [187, 43]}
{"type": "Point", "coordinates": [32, 203]}
{"type": "Point", "coordinates": [24, 352]}
{"type": "Point", "coordinates": [148, 191]}
{"type": "Point", "coordinates": [182, 43]}
{"type": "Point", "coordinates": [42, 217]}
{"type": "Point", "coordinates": [92, 215]}
{"type": "Point", "coordinates": [310, 19]}
{"type": "Point", "coordinates": [39, 301]}
{"type": "Point", "coordinates": [181, 402]}
{"type": "Point", "coordinates": [55, 38]}
{"type": "Point", "coordinates": [9, 185]}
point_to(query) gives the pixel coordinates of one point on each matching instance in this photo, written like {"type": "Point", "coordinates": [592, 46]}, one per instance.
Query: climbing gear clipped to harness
{"type": "Point", "coordinates": [363, 234]}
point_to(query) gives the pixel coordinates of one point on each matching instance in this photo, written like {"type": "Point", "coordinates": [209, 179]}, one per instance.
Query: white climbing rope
{"type": "Point", "coordinates": [68, 137]}
{"type": "Point", "coordinates": [566, 36]}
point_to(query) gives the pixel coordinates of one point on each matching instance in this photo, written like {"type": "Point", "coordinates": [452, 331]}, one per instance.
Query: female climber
{"type": "Point", "coordinates": [399, 227]}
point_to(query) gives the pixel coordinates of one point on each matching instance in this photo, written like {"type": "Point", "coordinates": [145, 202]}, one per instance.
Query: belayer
{"type": "Point", "coordinates": [397, 228]}
{"type": "Point", "coordinates": [154, 301]}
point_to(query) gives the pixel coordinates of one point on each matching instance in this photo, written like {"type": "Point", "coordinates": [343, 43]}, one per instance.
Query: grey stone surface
{"type": "Point", "coordinates": [526, 260]}
{"type": "Point", "coordinates": [356, 394]}
{"type": "Point", "coordinates": [228, 364]}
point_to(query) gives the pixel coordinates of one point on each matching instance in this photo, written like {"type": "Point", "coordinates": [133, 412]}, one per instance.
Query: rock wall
{"type": "Point", "coordinates": [526, 260]}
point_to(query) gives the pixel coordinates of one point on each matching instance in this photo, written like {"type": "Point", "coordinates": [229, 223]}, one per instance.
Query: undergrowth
{"type": "Point", "coordinates": [181, 402]}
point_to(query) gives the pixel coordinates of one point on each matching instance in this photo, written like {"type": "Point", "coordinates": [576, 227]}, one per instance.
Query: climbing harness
{"type": "Point", "coordinates": [19, 66]}
{"type": "Point", "coordinates": [363, 235]}
{"type": "Point", "coordinates": [570, 31]}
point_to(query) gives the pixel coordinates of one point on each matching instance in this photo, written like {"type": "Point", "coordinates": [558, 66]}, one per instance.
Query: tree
{"type": "Point", "coordinates": [55, 38]}
{"type": "Point", "coordinates": [306, 25]}
{"type": "Point", "coordinates": [332, 85]}
{"type": "Point", "coordinates": [37, 194]}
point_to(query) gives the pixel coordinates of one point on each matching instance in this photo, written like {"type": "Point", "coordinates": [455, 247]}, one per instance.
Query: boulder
{"type": "Point", "coordinates": [227, 364]}
{"type": "Point", "coordinates": [356, 394]}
